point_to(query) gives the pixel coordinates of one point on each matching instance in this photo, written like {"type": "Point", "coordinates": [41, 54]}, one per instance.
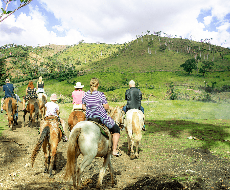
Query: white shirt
{"type": "Point", "coordinates": [51, 109]}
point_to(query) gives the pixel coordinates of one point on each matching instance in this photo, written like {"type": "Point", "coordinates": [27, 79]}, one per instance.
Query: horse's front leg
{"type": "Point", "coordinates": [111, 172]}
{"type": "Point", "coordinates": [103, 169]}
{"type": "Point", "coordinates": [24, 118]}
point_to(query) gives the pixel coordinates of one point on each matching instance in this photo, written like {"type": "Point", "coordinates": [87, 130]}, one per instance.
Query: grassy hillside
{"type": "Point", "coordinates": [147, 53]}
{"type": "Point", "coordinates": [152, 61]}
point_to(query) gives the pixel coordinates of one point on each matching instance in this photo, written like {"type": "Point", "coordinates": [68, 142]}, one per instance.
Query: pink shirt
{"type": "Point", "coordinates": [77, 96]}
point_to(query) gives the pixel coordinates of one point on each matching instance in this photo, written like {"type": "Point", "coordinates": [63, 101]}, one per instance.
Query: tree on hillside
{"type": "Point", "coordinates": [2, 71]}
{"type": "Point", "coordinates": [189, 65]}
{"type": "Point", "coordinates": [162, 47]}
{"type": "Point", "coordinates": [6, 13]}
{"type": "Point", "coordinates": [206, 66]}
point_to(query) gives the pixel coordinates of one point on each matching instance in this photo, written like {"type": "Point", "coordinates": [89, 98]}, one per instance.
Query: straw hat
{"type": "Point", "coordinates": [53, 97]}
{"type": "Point", "coordinates": [78, 85]}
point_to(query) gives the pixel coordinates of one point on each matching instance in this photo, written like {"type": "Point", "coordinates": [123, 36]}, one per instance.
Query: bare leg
{"type": "Point", "coordinates": [116, 137]}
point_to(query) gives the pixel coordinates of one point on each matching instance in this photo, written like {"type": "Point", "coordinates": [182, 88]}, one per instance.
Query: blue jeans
{"type": "Point", "coordinates": [124, 109]}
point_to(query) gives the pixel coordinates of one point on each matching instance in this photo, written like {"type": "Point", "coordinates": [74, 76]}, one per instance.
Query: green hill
{"type": "Point", "coordinates": [152, 61]}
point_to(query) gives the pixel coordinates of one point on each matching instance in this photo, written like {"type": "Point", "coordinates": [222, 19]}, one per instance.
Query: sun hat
{"type": "Point", "coordinates": [78, 85]}
{"type": "Point", "coordinates": [131, 82]}
{"type": "Point", "coordinates": [53, 97]}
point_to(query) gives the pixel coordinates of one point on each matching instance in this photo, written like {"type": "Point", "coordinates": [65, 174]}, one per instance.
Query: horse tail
{"type": "Point", "coordinates": [10, 109]}
{"type": "Point", "coordinates": [36, 107]}
{"type": "Point", "coordinates": [45, 133]}
{"type": "Point", "coordinates": [71, 153]}
{"type": "Point", "coordinates": [136, 127]}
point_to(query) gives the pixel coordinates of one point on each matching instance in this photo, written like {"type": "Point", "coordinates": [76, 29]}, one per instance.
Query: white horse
{"type": "Point", "coordinates": [134, 123]}
{"type": "Point", "coordinates": [86, 139]}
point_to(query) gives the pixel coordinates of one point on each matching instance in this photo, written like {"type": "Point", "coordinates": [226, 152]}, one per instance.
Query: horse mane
{"type": "Point", "coordinates": [36, 106]}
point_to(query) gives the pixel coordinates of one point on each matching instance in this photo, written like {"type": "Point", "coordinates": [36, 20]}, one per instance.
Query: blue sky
{"type": "Point", "coordinates": [43, 22]}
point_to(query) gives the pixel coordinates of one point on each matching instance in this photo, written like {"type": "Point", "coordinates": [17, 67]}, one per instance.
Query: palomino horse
{"type": "Point", "coordinates": [10, 106]}
{"type": "Point", "coordinates": [32, 107]}
{"type": "Point", "coordinates": [117, 115]}
{"type": "Point", "coordinates": [50, 137]}
{"type": "Point", "coordinates": [75, 117]}
{"type": "Point", "coordinates": [87, 139]}
{"type": "Point", "coordinates": [42, 101]}
{"type": "Point", "coordinates": [134, 123]}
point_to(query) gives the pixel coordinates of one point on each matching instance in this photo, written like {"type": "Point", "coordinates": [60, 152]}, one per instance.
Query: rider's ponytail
{"type": "Point", "coordinates": [93, 84]}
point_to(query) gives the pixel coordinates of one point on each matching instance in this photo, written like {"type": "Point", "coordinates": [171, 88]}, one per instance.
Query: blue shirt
{"type": "Point", "coordinates": [9, 90]}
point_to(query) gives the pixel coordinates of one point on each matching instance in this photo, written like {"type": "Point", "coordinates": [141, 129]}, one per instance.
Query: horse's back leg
{"type": "Point", "coordinates": [111, 172]}
{"type": "Point", "coordinates": [86, 161]}
{"type": "Point", "coordinates": [53, 155]}
{"type": "Point", "coordinates": [107, 161]}
{"type": "Point", "coordinates": [44, 146]}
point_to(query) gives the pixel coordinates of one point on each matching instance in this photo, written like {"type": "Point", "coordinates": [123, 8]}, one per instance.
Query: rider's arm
{"type": "Point", "coordinates": [83, 107]}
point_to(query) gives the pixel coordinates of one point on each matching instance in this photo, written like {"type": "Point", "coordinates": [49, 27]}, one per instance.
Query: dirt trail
{"type": "Point", "coordinates": [16, 172]}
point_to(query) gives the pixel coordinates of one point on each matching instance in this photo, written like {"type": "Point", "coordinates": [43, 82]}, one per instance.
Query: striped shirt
{"type": "Point", "coordinates": [95, 109]}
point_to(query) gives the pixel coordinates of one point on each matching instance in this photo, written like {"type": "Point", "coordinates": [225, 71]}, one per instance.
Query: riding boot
{"type": "Point", "coordinates": [64, 138]}
{"type": "Point", "coordinates": [16, 120]}
{"type": "Point", "coordinates": [143, 128]}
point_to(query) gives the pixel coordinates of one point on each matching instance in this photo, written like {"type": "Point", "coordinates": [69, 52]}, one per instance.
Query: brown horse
{"type": "Point", "coordinates": [32, 107]}
{"type": "Point", "coordinates": [75, 117]}
{"type": "Point", "coordinates": [50, 137]}
{"type": "Point", "coordinates": [10, 106]}
{"type": "Point", "coordinates": [42, 101]}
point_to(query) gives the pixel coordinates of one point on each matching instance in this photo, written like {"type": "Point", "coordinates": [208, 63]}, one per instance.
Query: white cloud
{"type": "Point", "coordinates": [207, 20]}
{"type": "Point", "coordinates": [114, 21]}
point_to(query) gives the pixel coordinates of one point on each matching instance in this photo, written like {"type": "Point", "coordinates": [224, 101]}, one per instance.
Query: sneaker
{"type": "Point", "coordinates": [117, 155]}
{"type": "Point", "coordinates": [143, 128]}
{"type": "Point", "coordinates": [1, 111]}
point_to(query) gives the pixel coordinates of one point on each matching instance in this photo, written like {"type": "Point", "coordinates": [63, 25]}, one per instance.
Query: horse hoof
{"type": "Point", "coordinates": [51, 176]}
{"type": "Point", "coordinates": [132, 156]}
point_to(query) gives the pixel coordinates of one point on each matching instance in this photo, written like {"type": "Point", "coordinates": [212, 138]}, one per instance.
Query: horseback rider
{"type": "Point", "coordinates": [133, 96]}
{"type": "Point", "coordinates": [8, 88]}
{"type": "Point", "coordinates": [52, 109]}
{"type": "Point", "coordinates": [40, 86]}
{"type": "Point", "coordinates": [77, 95]}
{"type": "Point", "coordinates": [30, 93]}
{"type": "Point", "coordinates": [95, 104]}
